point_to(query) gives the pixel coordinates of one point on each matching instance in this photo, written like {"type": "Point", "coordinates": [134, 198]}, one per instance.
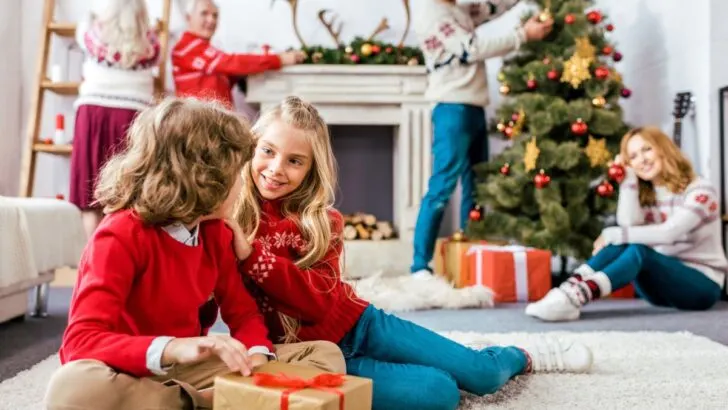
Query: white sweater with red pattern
{"type": "Point", "coordinates": [455, 55]}
{"type": "Point", "coordinates": [684, 225]}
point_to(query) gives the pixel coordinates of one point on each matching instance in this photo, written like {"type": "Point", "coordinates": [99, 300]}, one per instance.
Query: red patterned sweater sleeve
{"type": "Point", "coordinates": [195, 54]}
{"type": "Point", "coordinates": [308, 293]}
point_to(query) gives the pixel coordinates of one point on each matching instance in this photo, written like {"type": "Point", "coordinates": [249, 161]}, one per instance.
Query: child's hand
{"type": "Point", "coordinates": [189, 350]}
{"type": "Point", "coordinates": [257, 360]}
{"type": "Point", "coordinates": [240, 242]}
{"type": "Point", "coordinates": [537, 30]}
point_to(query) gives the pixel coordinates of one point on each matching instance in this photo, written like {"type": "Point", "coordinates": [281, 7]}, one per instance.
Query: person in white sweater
{"type": "Point", "coordinates": [121, 52]}
{"type": "Point", "coordinates": [457, 84]}
{"type": "Point", "coordinates": [668, 239]}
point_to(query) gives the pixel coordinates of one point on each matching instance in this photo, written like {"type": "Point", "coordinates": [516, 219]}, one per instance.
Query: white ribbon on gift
{"type": "Point", "coordinates": [520, 263]}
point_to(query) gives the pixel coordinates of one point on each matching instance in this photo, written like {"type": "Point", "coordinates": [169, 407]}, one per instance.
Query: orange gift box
{"type": "Point", "coordinates": [514, 273]}
{"type": "Point", "coordinates": [626, 292]}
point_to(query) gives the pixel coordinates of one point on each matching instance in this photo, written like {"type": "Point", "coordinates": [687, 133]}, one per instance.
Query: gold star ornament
{"type": "Point", "coordinates": [585, 49]}
{"type": "Point", "coordinates": [530, 157]}
{"type": "Point", "coordinates": [597, 152]}
{"type": "Point", "coordinates": [576, 71]}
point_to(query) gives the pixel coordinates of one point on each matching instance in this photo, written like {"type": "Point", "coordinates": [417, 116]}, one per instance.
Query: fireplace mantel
{"type": "Point", "coordinates": [366, 95]}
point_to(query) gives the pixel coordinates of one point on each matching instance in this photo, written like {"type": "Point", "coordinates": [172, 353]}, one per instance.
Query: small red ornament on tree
{"type": "Point", "coordinates": [514, 117]}
{"type": "Point", "coordinates": [617, 56]}
{"type": "Point", "coordinates": [569, 19]}
{"type": "Point", "coordinates": [616, 173]}
{"type": "Point", "coordinates": [354, 58]}
{"type": "Point", "coordinates": [531, 84]}
{"type": "Point", "coordinates": [610, 27]}
{"type": "Point", "coordinates": [475, 213]}
{"type": "Point", "coordinates": [508, 132]}
{"type": "Point", "coordinates": [541, 180]}
{"type": "Point", "coordinates": [607, 50]}
{"type": "Point", "coordinates": [605, 189]}
{"type": "Point", "coordinates": [553, 75]}
{"type": "Point", "coordinates": [579, 127]}
{"type": "Point", "coordinates": [376, 49]}
{"type": "Point", "coordinates": [601, 73]}
{"type": "Point", "coordinates": [626, 92]}
{"type": "Point", "coordinates": [594, 17]}
{"type": "Point", "coordinates": [505, 169]}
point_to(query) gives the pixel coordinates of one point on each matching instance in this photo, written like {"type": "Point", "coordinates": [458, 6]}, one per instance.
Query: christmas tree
{"type": "Point", "coordinates": [555, 186]}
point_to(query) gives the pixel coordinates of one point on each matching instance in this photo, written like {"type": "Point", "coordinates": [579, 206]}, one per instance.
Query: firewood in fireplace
{"type": "Point", "coordinates": [350, 232]}
{"type": "Point", "coordinates": [377, 235]}
{"type": "Point", "coordinates": [369, 220]}
{"type": "Point", "coordinates": [363, 232]}
{"type": "Point", "coordinates": [386, 229]}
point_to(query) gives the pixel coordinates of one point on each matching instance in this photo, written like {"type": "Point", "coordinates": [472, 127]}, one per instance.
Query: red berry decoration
{"type": "Point", "coordinates": [508, 132]}
{"type": "Point", "coordinates": [531, 84]}
{"type": "Point", "coordinates": [605, 189]}
{"type": "Point", "coordinates": [541, 180]}
{"type": "Point", "coordinates": [610, 27]}
{"type": "Point", "coordinates": [569, 19]}
{"type": "Point", "coordinates": [514, 117]}
{"type": "Point", "coordinates": [376, 49]}
{"type": "Point", "coordinates": [626, 92]}
{"type": "Point", "coordinates": [505, 169]}
{"type": "Point", "coordinates": [616, 173]}
{"type": "Point", "coordinates": [607, 50]}
{"type": "Point", "coordinates": [594, 17]}
{"type": "Point", "coordinates": [617, 56]}
{"type": "Point", "coordinates": [475, 214]}
{"type": "Point", "coordinates": [388, 50]}
{"type": "Point", "coordinates": [579, 127]}
{"type": "Point", "coordinates": [553, 75]}
{"type": "Point", "coordinates": [601, 73]}
{"type": "Point", "coordinates": [354, 58]}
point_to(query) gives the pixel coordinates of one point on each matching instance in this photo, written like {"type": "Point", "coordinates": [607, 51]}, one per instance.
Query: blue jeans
{"type": "Point", "coordinates": [660, 279]}
{"type": "Point", "coordinates": [459, 142]}
{"type": "Point", "coordinates": [415, 368]}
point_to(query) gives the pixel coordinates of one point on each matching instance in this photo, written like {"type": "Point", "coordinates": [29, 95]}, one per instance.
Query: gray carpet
{"type": "Point", "coordinates": [25, 343]}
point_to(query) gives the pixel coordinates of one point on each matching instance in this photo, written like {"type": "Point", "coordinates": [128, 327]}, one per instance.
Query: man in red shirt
{"type": "Point", "coordinates": [203, 71]}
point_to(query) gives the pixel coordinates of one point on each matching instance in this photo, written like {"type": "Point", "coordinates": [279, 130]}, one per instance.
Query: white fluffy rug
{"type": "Point", "coordinates": [649, 370]}
{"type": "Point", "coordinates": [418, 292]}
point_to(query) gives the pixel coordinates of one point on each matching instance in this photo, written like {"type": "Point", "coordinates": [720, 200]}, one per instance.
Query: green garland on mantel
{"type": "Point", "coordinates": [360, 51]}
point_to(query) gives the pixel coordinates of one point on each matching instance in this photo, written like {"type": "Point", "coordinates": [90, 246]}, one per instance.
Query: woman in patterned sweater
{"type": "Point", "coordinates": [668, 242]}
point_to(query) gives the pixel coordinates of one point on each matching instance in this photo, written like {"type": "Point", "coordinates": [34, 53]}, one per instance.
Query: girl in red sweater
{"type": "Point", "coordinates": [134, 337]}
{"type": "Point", "coordinates": [292, 266]}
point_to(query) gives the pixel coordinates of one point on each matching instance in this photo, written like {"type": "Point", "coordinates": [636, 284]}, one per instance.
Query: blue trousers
{"type": "Point", "coordinates": [415, 368]}
{"type": "Point", "coordinates": [459, 141]}
{"type": "Point", "coordinates": [659, 279]}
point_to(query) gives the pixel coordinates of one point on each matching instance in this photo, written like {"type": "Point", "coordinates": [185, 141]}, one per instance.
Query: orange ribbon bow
{"type": "Point", "coordinates": [325, 382]}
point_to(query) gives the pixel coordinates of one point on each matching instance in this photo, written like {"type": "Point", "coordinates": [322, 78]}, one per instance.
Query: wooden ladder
{"type": "Point", "coordinates": [34, 145]}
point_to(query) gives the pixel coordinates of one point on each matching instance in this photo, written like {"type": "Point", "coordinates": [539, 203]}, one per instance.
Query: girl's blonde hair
{"type": "Point", "coordinates": [181, 161]}
{"type": "Point", "coordinates": [123, 26]}
{"type": "Point", "coordinates": [677, 171]}
{"type": "Point", "coordinates": [312, 202]}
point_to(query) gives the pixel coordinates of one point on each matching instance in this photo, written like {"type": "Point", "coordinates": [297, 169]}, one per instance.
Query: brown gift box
{"type": "Point", "coordinates": [233, 391]}
{"type": "Point", "coordinates": [449, 256]}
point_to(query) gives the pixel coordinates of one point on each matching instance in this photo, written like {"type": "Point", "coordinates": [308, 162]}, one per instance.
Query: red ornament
{"type": "Point", "coordinates": [515, 116]}
{"type": "Point", "coordinates": [626, 92]}
{"type": "Point", "coordinates": [579, 127]}
{"type": "Point", "coordinates": [610, 27]}
{"type": "Point", "coordinates": [505, 169]}
{"type": "Point", "coordinates": [616, 173]}
{"type": "Point", "coordinates": [541, 180]}
{"type": "Point", "coordinates": [475, 214]}
{"type": "Point", "coordinates": [617, 56]}
{"type": "Point", "coordinates": [553, 75]}
{"type": "Point", "coordinates": [376, 49]}
{"type": "Point", "coordinates": [266, 49]}
{"type": "Point", "coordinates": [594, 17]}
{"type": "Point", "coordinates": [531, 84]}
{"type": "Point", "coordinates": [605, 189]}
{"type": "Point", "coordinates": [508, 132]}
{"type": "Point", "coordinates": [607, 50]}
{"type": "Point", "coordinates": [601, 73]}
{"type": "Point", "coordinates": [354, 58]}
{"type": "Point", "coordinates": [569, 19]}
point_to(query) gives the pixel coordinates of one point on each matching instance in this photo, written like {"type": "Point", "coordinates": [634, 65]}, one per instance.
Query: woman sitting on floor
{"type": "Point", "coordinates": [668, 242]}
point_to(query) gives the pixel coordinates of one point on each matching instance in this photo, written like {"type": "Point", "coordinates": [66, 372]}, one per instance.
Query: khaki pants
{"type": "Point", "coordinates": [90, 384]}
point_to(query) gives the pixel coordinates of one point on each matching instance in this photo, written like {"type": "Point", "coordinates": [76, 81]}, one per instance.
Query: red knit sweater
{"type": "Point", "coordinates": [201, 70]}
{"type": "Point", "coordinates": [135, 282]}
{"type": "Point", "coordinates": [327, 307]}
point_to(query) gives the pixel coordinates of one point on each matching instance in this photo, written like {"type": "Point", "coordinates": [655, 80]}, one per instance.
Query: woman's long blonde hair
{"type": "Point", "coordinates": [180, 163]}
{"type": "Point", "coordinates": [123, 25]}
{"type": "Point", "coordinates": [677, 171]}
{"type": "Point", "coordinates": [310, 204]}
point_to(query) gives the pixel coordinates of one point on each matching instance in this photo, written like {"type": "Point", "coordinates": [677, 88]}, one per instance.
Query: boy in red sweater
{"type": "Point", "coordinates": [134, 337]}
{"type": "Point", "coordinates": [201, 70]}
{"type": "Point", "coordinates": [293, 269]}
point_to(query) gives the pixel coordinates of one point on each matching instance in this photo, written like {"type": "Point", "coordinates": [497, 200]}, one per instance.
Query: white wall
{"type": "Point", "coordinates": [10, 92]}
{"type": "Point", "coordinates": [667, 48]}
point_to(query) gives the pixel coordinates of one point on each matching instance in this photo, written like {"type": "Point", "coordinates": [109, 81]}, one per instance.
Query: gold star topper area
{"type": "Point", "coordinates": [576, 71]}
{"type": "Point", "coordinates": [585, 49]}
{"type": "Point", "coordinates": [597, 152]}
{"type": "Point", "coordinates": [530, 157]}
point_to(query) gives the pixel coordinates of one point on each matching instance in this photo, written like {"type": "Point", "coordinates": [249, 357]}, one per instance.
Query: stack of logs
{"type": "Point", "coordinates": [366, 227]}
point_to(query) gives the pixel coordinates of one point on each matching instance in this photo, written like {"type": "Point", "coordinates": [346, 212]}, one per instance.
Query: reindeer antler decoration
{"type": "Point", "coordinates": [294, 12]}
{"type": "Point", "coordinates": [408, 15]}
{"type": "Point", "coordinates": [383, 26]}
{"type": "Point", "coordinates": [335, 33]}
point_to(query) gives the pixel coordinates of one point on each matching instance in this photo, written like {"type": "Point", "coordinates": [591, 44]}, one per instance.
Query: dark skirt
{"type": "Point", "coordinates": [99, 133]}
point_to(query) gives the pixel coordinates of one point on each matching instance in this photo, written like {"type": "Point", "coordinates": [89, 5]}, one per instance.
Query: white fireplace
{"type": "Point", "coordinates": [367, 95]}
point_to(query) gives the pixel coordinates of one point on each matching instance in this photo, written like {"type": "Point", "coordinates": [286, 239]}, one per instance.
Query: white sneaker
{"type": "Point", "coordinates": [556, 306]}
{"type": "Point", "coordinates": [422, 274]}
{"type": "Point", "coordinates": [550, 355]}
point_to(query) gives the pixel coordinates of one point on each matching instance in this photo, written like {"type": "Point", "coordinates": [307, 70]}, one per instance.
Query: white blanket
{"type": "Point", "coordinates": [38, 235]}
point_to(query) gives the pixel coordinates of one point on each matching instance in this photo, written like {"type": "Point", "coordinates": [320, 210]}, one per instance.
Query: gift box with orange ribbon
{"type": "Point", "coordinates": [282, 386]}
{"type": "Point", "coordinates": [514, 273]}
